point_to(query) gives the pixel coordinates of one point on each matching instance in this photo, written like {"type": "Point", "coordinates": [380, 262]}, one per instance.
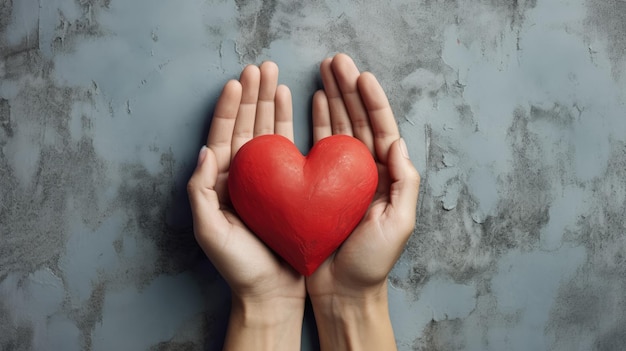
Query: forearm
{"type": "Point", "coordinates": [275, 325]}
{"type": "Point", "coordinates": [354, 322]}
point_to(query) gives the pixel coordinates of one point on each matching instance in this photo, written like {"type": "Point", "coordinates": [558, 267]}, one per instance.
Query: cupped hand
{"type": "Point", "coordinates": [354, 103]}
{"type": "Point", "coordinates": [253, 106]}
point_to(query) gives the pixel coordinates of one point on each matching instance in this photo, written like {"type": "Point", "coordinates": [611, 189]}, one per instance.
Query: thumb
{"type": "Point", "coordinates": [205, 205]}
{"type": "Point", "coordinates": [405, 183]}
{"type": "Point", "coordinates": [201, 186]}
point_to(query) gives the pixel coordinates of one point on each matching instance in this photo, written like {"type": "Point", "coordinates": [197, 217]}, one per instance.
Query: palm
{"type": "Point", "coordinates": [366, 243]}
{"type": "Point", "coordinates": [253, 268]}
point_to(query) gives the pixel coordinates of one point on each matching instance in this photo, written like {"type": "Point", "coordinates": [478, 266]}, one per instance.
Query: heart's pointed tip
{"type": "Point", "coordinates": [307, 273]}
{"type": "Point", "coordinates": [307, 269]}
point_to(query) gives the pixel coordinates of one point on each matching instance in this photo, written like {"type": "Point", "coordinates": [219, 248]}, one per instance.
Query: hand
{"type": "Point", "coordinates": [266, 291]}
{"type": "Point", "coordinates": [349, 290]}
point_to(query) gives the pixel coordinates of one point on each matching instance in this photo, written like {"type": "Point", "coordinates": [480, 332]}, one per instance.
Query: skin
{"type": "Point", "coordinates": [267, 294]}
{"type": "Point", "coordinates": [349, 290]}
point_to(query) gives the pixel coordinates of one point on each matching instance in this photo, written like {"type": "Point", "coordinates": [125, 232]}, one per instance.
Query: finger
{"type": "Point", "coordinates": [346, 75]}
{"type": "Point", "coordinates": [284, 112]}
{"type": "Point", "coordinates": [403, 193]}
{"type": "Point", "coordinates": [244, 127]}
{"type": "Point", "coordinates": [384, 127]}
{"type": "Point", "coordinates": [210, 224]}
{"type": "Point", "coordinates": [340, 121]}
{"type": "Point", "coordinates": [321, 117]}
{"type": "Point", "coordinates": [223, 123]}
{"type": "Point", "coordinates": [265, 109]}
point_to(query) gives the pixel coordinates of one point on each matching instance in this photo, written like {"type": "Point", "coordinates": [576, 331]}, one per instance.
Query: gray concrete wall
{"type": "Point", "coordinates": [513, 110]}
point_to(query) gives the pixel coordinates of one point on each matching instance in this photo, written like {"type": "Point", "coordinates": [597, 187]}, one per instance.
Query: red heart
{"type": "Point", "coordinates": [302, 207]}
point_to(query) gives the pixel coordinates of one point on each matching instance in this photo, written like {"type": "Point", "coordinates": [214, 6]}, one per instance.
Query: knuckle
{"type": "Point", "coordinates": [192, 186]}
{"type": "Point", "coordinates": [415, 176]}
{"type": "Point", "coordinates": [406, 221]}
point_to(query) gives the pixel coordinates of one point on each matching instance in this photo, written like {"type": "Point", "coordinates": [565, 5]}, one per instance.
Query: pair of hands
{"type": "Point", "coordinates": [266, 291]}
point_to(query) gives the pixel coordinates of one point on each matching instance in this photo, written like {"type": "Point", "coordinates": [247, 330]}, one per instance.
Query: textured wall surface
{"type": "Point", "coordinates": [513, 110]}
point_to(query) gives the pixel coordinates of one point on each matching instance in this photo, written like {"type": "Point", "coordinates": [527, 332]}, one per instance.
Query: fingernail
{"type": "Point", "coordinates": [403, 149]}
{"type": "Point", "coordinates": [202, 155]}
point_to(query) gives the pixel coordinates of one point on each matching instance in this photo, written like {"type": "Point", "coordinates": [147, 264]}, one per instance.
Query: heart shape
{"type": "Point", "coordinates": [303, 208]}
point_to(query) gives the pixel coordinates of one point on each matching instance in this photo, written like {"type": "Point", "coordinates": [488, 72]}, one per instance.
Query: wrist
{"type": "Point", "coordinates": [354, 320]}
{"type": "Point", "coordinates": [267, 312]}
{"type": "Point", "coordinates": [265, 324]}
{"type": "Point", "coordinates": [346, 302]}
